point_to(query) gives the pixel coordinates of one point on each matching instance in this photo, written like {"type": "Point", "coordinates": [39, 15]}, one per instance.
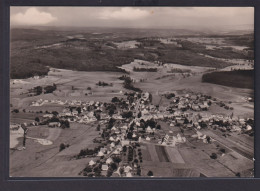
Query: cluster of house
{"type": "Point", "coordinates": [19, 126]}
{"type": "Point", "coordinates": [176, 113]}
{"type": "Point", "coordinates": [107, 154]}
{"type": "Point", "coordinates": [41, 102]}
{"type": "Point", "coordinates": [170, 139]}
{"type": "Point", "coordinates": [121, 171]}
{"type": "Point", "coordinates": [195, 102]}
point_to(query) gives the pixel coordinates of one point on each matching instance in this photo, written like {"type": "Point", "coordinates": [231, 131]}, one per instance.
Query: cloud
{"type": "Point", "coordinates": [126, 13]}
{"type": "Point", "coordinates": [32, 16]}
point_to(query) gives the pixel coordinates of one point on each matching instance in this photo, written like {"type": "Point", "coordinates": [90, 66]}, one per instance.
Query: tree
{"type": "Point", "coordinates": [38, 90]}
{"type": "Point", "coordinates": [238, 174]}
{"type": "Point", "coordinates": [213, 156]}
{"type": "Point", "coordinates": [127, 81]}
{"type": "Point", "coordinates": [209, 139]}
{"type": "Point", "coordinates": [55, 113]}
{"type": "Point", "coordinates": [138, 172]}
{"type": "Point", "coordinates": [62, 146]}
{"type": "Point", "coordinates": [129, 135]}
{"type": "Point", "coordinates": [121, 170]}
{"type": "Point", "coordinates": [139, 114]}
{"type": "Point", "coordinates": [50, 89]}
{"type": "Point", "coordinates": [65, 123]}
{"type": "Point", "coordinates": [127, 114]}
{"type": "Point", "coordinates": [16, 110]}
{"type": "Point", "coordinates": [158, 127]}
{"type": "Point", "coordinates": [117, 159]}
{"type": "Point", "coordinates": [88, 169]}
{"type": "Point", "coordinates": [109, 172]}
{"type": "Point", "coordinates": [54, 119]}
{"type": "Point", "coordinates": [150, 97]}
{"type": "Point", "coordinates": [111, 112]}
{"type": "Point", "coordinates": [79, 110]}
{"type": "Point", "coordinates": [114, 166]}
{"type": "Point", "coordinates": [150, 173]}
{"type": "Point", "coordinates": [98, 127]}
{"type": "Point", "coordinates": [98, 116]}
{"type": "Point", "coordinates": [115, 99]}
{"type": "Point", "coordinates": [150, 123]}
{"type": "Point", "coordinates": [111, 123]}
{"type": "Point", "coordinates": [223, 150]}
{"type": "Point", "coordinates": [37, 119]}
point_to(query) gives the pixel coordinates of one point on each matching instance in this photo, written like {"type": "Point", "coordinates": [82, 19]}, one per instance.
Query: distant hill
{"type": "Point", "coordinates": [33, 50]}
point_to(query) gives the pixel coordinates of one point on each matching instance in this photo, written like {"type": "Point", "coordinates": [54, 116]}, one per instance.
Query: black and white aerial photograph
{"type": "Point", "coordinates": [141, 92]}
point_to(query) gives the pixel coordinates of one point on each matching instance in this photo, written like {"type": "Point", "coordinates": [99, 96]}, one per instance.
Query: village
{"type": "Point", "coordinates": [124, 124]}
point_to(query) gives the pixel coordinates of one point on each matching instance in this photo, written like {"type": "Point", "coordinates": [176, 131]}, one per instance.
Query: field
{"type": "Point", "coordinates": [47, 160]}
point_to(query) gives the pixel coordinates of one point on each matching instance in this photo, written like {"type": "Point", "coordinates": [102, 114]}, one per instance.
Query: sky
{"type": "Point", "coordinates": [135, 17]}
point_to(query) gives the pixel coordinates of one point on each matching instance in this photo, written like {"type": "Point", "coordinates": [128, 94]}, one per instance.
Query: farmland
{"type": "Point", "coordinates": [128, 104]}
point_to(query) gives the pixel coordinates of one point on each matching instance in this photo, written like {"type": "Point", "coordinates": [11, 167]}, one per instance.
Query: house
{"type": "Point", "coordinates": [75, 113]}
{"type": "Point", "coordinates": [112, 145]}
{"type": "Point", "coordinates": [48, 116]}
{"type": "Point", "coordinates": [195, 108]}
{"type": "Point", "coordinates": [113, 128]}
{"type": "Point", "coordinates": [248, 128]}
{"type": "Point", "coordinates": [116, 152]}
{"type": "Point", "coordinates": [125, 143]}
{"type": "Point", "coordinates": [100, 154]}
{"type": "Point", "coordinates": [111, 139]}
{"type": "Point", "coordinates": [129, 174]}
{"type": "Point", "coordinates": [145, 96]}
{"type": "Point", "coordinates": [54, 124]}
{"type": "Point", "coordinates": [124, 127]}
{"type": "Point", "coordinates": [179, 138]}
{"type": "Point", "coordinates": [104, 167]}
{"type": "Point", "coordinates": [68, 114]}
{"type": "Point", "coordinates": [103, 150]}
{"type": "Point", "coordinates": [91, 163]}
{"type": "Point", "coordinates": [14, 127]}
{"type": "Point", "coordinates": [204, 107]}
{"type": "Point", "coordinates": [235, 128]}
{"type": "Point", "coordinates": [127, 169]}
{"type": "Point", "coordinates": [145, 112]}
{"type": "Point", "coordinates": [149, 130]}
{"type": "Point", "coordinates": [109, 161]}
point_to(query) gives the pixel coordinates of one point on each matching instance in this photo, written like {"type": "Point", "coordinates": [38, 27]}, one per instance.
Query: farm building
{"type": "Point", "coordinates": [54, 124]}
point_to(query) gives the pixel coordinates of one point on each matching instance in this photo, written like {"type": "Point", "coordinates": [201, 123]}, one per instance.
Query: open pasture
{"type": "Point", "coordinates": [47, 160]}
